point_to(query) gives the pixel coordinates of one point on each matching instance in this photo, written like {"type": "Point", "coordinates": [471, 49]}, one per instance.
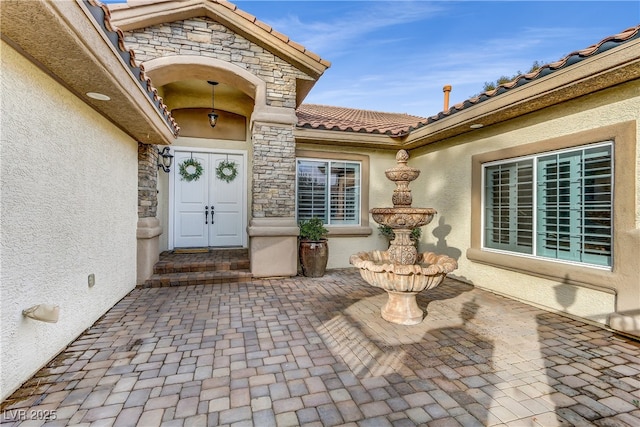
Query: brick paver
{"type": "Point", "coordinates": [304, 351]}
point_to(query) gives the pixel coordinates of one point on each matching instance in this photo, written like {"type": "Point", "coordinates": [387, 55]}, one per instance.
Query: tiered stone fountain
{"type": "Point", "coordinates": [401, 270]}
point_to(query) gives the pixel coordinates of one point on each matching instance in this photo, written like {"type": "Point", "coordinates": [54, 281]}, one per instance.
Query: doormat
{"type": "Point", "coordinates": [191, 251]}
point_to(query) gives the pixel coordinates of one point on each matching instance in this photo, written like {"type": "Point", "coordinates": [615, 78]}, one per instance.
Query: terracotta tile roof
{"type": "Point", "coordinates": [570, 59]}
{"type": "Point", "coordinates": [270, 30]}
{"type": "Point", "coordinates": [102, 15]}
{"type": "Point", "coordinates": [394, 124]}
{"type": "Point", "coordinates": [144, 12]}
{"type": "Point", "coordinates": [324, 117]}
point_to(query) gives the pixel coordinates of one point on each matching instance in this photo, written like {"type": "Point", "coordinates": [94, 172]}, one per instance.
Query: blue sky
{"type": "Point", "coordinates": [397, 55]}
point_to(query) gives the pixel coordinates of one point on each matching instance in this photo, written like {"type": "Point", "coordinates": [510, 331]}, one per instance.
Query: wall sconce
{"type": "Point", "coordinates": [213, 117]}
{"type": "Point", "coordinates": [43, 312]}
{"type": "Point", "coordinates": [164, 159]}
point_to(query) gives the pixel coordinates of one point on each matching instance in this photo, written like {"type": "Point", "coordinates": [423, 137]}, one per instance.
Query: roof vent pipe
{"type": "Point", "coordinates": [446, 89]}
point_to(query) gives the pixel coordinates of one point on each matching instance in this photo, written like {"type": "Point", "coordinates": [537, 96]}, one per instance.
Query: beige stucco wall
{"type": "Point", "coordinates": [69, 200]}
{"type": "Point", "coordinates": [447, 169]}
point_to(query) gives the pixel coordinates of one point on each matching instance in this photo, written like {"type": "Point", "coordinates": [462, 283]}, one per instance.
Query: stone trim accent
{"type": "Point", "coordinates": [147, 180]}
{"type": "Point", "coordinates": [274, 171]}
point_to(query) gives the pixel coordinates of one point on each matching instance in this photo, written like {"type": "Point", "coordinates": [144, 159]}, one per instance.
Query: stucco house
{"type": "Point", "coordinates": [537, 183]}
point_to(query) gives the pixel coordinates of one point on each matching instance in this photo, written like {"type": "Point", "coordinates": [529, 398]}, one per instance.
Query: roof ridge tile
{"type": "Point", "coordinates": [281, 36]}
{"type": "Point", "coordinates": [227, 4]}
{"type": "Point", "coordinates": [246, 15]}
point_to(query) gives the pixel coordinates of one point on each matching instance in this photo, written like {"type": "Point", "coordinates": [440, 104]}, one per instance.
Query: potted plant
{"type": "Point", "coordinates": [314, 250]}
{"type": "Point", "coordinates": [387, 232]}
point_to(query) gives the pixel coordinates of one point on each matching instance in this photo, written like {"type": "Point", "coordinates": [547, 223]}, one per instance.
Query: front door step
{"type": "Point", "coordinates": [208, 267]}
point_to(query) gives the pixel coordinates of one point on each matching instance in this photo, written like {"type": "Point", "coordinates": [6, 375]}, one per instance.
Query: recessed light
{"type": "Point", "coordinates": [98, 96]}
{"type": "Point", "coordinates": [476, 126]}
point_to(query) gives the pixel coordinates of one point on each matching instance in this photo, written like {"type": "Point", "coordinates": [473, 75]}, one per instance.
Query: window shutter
{"type": "Point", "coordinates": [312, 189]}
{"type": "Point", "coordinates": [509, 206]}
{"type": "Point", "coordinates": [597, 202]}
{"type": "Point", "coordinates": [575, 205]}
{"type": "Point", "coordinates": [345, 193]}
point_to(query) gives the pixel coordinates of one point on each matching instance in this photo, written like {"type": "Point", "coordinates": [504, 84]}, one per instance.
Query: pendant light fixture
{"type": "Point", "coordinates": [213, 117]}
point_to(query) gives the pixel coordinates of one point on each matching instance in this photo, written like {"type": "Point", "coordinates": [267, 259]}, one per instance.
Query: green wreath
{"type": "Point", "coordinates": [227, 171]}
{"type": "Point", "coordinates": [190, 176]}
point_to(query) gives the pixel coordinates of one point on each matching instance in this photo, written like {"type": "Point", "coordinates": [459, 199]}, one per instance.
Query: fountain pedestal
{"type": "Point", "coordinates": [402, 308]}
{"type": "Point", "coordinates": [401, 270]}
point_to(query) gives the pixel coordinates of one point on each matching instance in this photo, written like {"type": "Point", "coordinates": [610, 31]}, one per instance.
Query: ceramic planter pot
{"type": "Point", "coordinates": [314, 255]}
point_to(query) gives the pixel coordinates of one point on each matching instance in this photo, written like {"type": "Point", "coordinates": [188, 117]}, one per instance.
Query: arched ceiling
{"type": "Point", "coordinates": [194, 93]}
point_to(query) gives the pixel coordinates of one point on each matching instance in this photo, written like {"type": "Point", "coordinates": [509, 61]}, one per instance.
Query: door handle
{"type": "Point", "coordinates": [206, 214]}
{"type": "Point", "coordinates": [212, 212]}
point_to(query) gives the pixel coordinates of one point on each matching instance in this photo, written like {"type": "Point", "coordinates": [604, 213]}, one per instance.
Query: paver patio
{"type": "Point", "coordinates": [316, 352]}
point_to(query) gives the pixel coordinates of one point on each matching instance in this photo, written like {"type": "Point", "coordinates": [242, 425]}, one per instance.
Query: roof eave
{"type": "Point", "coordinates": [613, 67]}
{"type": "Point", "coordinates": [343, 138]}
{"type": "Point", "coordinates": [144, 15]}
{"type": "Point", "coordinates": [64, 40]}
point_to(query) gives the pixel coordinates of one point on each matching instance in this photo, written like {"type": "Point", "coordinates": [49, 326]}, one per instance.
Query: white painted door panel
{"type": "Point", "coordinates": [223, 201]}
{"type": "Point", "coordinates": [227, 203]}
{"type": "Point", "coordinates": [191, 197]}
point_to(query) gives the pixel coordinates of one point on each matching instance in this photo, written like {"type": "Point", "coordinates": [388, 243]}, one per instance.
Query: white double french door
{"type": "Point", "coordinates": [208, 211]}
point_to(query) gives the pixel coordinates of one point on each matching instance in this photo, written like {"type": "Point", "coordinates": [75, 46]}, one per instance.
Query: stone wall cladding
{"type": "Point", "coordinates": [274, 171]}
{"type": "Point", "coordinates": [273, 179]}
{"type": "Point", "coordinates": [205, 37]}
{"type": "Point", "coordinates": [147, 180]}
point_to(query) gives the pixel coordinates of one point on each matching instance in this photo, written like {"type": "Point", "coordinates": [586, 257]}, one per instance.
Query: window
{"type": "Point", "coordinates": [554, 205]}
{"type": "Point", "coordinates": [329, 189]}
{"type": "Point", "coordinates": [509, 206]}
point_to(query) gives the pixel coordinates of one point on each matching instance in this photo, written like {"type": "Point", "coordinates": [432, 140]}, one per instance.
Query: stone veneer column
{"type": "Point", "coordinates": [149, 229]}
{"type": "Point", "coordinates": [273, 230]}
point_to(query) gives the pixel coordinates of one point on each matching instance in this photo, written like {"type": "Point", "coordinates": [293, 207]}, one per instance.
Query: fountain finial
{"type": "Point", "coordinates": [402, 156]}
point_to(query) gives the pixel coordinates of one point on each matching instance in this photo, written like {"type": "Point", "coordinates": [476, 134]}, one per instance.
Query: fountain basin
{"type": "Point", "coordinates": [403, 217]}
{"type": "Point", "coordinates": [403, 173]}
{"type": "Point", "coordinates": [402, 282]}
{"type": "Point", "coordinates": [378, 270]}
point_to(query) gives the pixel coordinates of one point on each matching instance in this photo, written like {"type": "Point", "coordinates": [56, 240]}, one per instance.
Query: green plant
{"type": "Point", "coordinates": [312, 229]}
{"type": "Point", "coordinates": [387, 232]}
{"type": "Point", "coordinates": [488, 86]}
{"type": "Point", "coordinates": [227, 171]}
{"type": "Point", "coordinates": [190, 170]}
